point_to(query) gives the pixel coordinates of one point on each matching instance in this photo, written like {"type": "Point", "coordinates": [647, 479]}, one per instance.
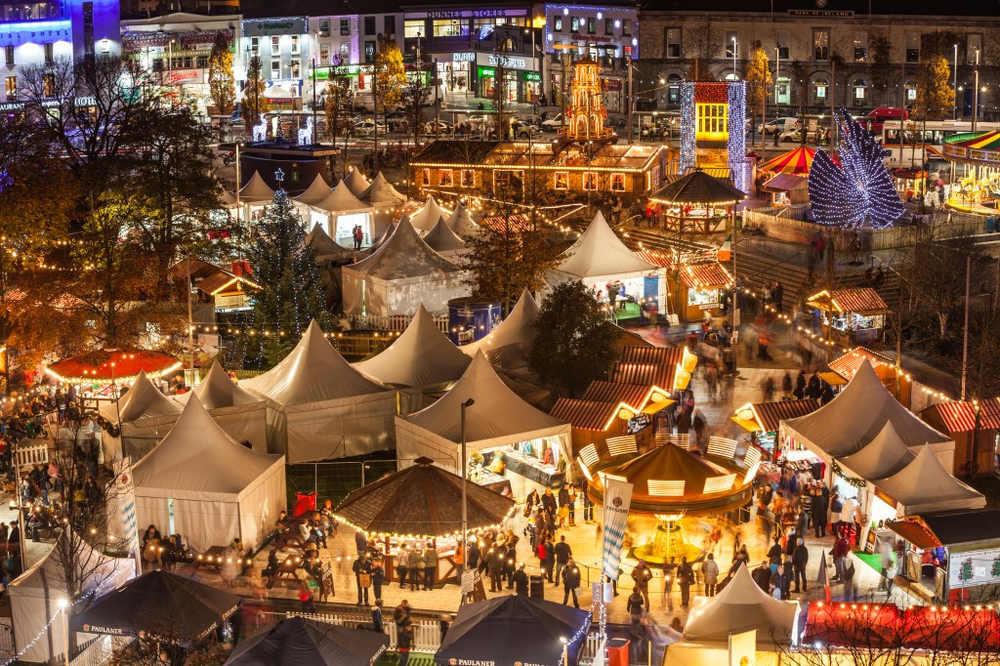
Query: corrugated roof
{"type": "Point", "coordinates": [961, 416]}
{"type": "Point", "coordinates": [710, 274]}
{"type": "Point", "coordinates": [633, 395]}
{"type": "Point", "coordinates": [769, 414]}
{"type": "Point", "coordinates": [643, 373]}
{"type": "Point", "coordinates": [785, 182]}
{"type": "Point", "coordinates": [848, 364]}
{"type": "Point", "coordinates": [913, 530]}
{"type": "Point", "coordinates": [857, 299]}
{"type": "Point", "coordinates": [585, 414]}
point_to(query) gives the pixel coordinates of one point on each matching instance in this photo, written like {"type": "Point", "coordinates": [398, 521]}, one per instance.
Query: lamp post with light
{"type": "Point", "coordinates": [465, 500]}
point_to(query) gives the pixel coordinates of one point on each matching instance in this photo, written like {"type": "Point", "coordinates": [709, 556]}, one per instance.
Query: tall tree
{"type": "Point", "coordinates": [574, 340]}
{"type": "Point", "coordinates": [935, 96]}
{"type": "Point", "coordinates": [415, 97]}
{"type": "Point", "coordinates": [759, 80]}
{"type": "Point", "coordinates": [253, 101]}
{"type": "Point", "coordinates": [387, 83]}
{"type": "Point", "coordinates": [220, 75]}
{"type": "Point", "coordinates": [336, 108]}
{"type": "Point", "coordinates": [293, 293]}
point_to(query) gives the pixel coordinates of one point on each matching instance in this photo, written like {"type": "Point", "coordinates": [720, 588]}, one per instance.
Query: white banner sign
{"type": "Point", "coordinates": [617, 498]}
{"type": "Point", "coordinates": [128, 529]}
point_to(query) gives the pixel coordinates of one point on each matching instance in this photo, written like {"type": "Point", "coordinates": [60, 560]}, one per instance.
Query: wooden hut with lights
{"type": "Point", "coordinates": [695, 202]}
{"type": "Point", "coordinates": [975, 428]}
{"type": "Point", "coordinates": [699, 289]}
{"type": "Point", "coordinates": [853, 315]}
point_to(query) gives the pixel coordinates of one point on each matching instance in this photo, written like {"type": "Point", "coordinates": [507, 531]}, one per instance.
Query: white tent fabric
{"type": "Point", "coordinates": [382, 193]}
{"type": "Point", "coordinates": [316, 192]}
{"type": "Point", "coordinates": [422, 356]}
{"type": "Point", "coordinates": [357, 182]}
{"type": "Point", "coordinates": [443, 240]}
{"type": "Point", "coordinates": [855, 416]}
{"type": "Point", "coordinates": [403, 273]}
{"type": "Point", "coordinates": [341, 200]}
{"type": "Point", "coordinates": [496, 418]}
{"type": "Point", "coordinates": [427, 216]}
{"type": "Point", "coordinates": [325, 248]}
{"type": "Point", "coordinates": [599, 253]}
{"type": "Point", "coordinates": [35, 595]}
{"type": "Point", "coordinates": [924, 486]}
{"type": "Point", "coordinates": [215, 488]}
{"type": "Point", "coordinates": [331, 410]}
{"type": "Point", "coordinates": [244, 416]}
{"type": "Point", "coordinates": [461, 222]}
{"type": "Point", "coordinates": [146, 416]}
{"type": "Point", "coordinates": [883, 456]}
{"type": "Point", "coordinates": [256, 190]}
{"type": "Point", "coordinates": [740, 607]}
{"type": "Point", "coordinates": [510, 342]}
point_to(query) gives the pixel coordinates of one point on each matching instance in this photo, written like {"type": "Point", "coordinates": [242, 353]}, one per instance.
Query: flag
{"type": "Point", "coordinates": [822, 579]}
{"type": "Point", "coordinates": [725, 252]}
{"type": "Point", "coordinates": [617, 498]}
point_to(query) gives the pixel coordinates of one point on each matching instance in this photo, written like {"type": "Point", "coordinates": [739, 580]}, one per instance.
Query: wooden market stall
{"type": "Point", "coordinates": [854, 315]}
{"type": "Point", "coordinates": [699, 289]}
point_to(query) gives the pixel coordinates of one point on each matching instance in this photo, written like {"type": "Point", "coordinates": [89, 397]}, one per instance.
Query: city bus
{"type": "Point", "coordinates": [904, 139]}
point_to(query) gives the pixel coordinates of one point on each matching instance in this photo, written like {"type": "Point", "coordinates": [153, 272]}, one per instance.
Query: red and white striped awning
{"type": "Point", "coordinates": [961, 416]}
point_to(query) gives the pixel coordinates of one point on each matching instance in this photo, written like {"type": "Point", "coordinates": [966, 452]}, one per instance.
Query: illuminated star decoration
{"type": "Point", "coordinates": [859, 191]}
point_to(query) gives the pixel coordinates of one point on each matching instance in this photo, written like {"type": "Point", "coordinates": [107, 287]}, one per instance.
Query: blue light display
{"type": "Point", "coordinates": [737, 95]}
{"type": "Point", "coordinates": [688, 153]}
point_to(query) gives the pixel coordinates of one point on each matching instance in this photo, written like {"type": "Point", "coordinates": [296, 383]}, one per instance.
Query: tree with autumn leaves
{"type": "Point", "coordinates": [220, 75]}
{"type": "Point", "coordinates": [759, 80]}
{"type": "Point", "coordinates": [388, 83]}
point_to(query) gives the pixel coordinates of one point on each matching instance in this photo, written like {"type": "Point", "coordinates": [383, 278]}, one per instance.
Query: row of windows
{"type": "Point", "coordinates": [48, 49]}
{"type": "Point", "coordinates": [414, 28]}
{"type": "Point", "coordinates": [181, 62]}
{"type": "Point", "coordinates": [10, 87]}
{"type": "Point", "coordinates": [588, 24]}
{"type": "Point", "coordinates": [560, 179]}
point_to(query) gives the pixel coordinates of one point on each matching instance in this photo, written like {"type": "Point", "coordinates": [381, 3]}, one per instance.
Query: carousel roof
{"type": "Point", "coordinates": [316, 192]}
{"type": "Point", "coordinates": [256, 190]}
{"type": "Point", "coordinates": [423, 501]}
{"type": "Point", "coordinates": [381, 192]}
{"type": "Point", "coordinates": [357, 183]}
{"type": "Point", "coordinates": [796, 162]}
{"type": "Point", "coordinates": [976, 140]}
{"type": "Point", "coordinates": [441, 238]}
{"type": "Point", "coordinates": [598, 252]}
{"type": "Point", "coordinates": [119, 364]}
{"type": "Point", "coordinates": [698, 187]}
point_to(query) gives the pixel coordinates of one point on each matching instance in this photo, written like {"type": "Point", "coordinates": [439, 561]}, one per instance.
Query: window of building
{"type": "Point", "coordinates": [295, 45]}
{"type": "Point", "coordinates": [574, 24]}
{"type": "Point", "coordinates": [188, 62]}
{"type": "Point", "coordinates": [157, 64]}
{"type": "Point", "coordinates": [8, 56]}
{"type": "Point", "coordinates": [626, 28]}
{"type": "Point", "coordinates": [49, 59]}
{"type": "Point", "coordinates": [608, 27]}
{"type": "Point", "coordinates": [369, 25]}
{"type": "Point", "coordinates": [712, 120]}
{"type": "Point", "coordinates": [324, 28]}
{"type": "Point", "coordinates": [911, 91]}
{"type": "Point", "coordinates": [468, 178]}
{"type": "Point", "coordinates": [732, 45]}
{"type": "Point", "coordinates": [782, 39]}
{"type": "Point", "coordinates": [617, 182]}
{"type": "Point", "coordinates": [858, 91]}
{"type": "Point", "coordinates": [913, 47]}
{"type": "Point", "coordinates": [10, 87]}
{"type": "Point", "coordinates": [445, 178]}
{"type": "Point", "coordinates": [591, 25]}
{"type": "Point", "coordinates": [275, 44]}
{"type": "Point", "coordinates": [590, 181]}
{"type": "Point", "coordinates": [295, 68]}
{"type": "Point", "coordinates": [49, 85]}
{"type": "Point", "coordinates": [820, 87]}
{"type": "Point", "coordinates": [345, 52]}
{"type": "Point", "coordinates": [973, 45]}
{"type": "Point", "coordinates": [450, 28]}
{"type": "Point", "coordinates": [369, 52]}
{"type": "Point", "coordinates": [389, 25]}
{"type": "Point", "coordinates": [255, 45]}
{"type": "Point", "coordinates": [275, 68]}
{"type": "Point", "coordinates": [425, 177]}
{"type": "Point", "coordinates": [557, 24]}
{"type": "Point", "coordinates": [345, 27]}
{"type": "Point", "coordinates": [560, 180]}
{"type": "Point", "coordinates": [673, 89]}
{"type": "Point", "coordinates": [672, 42]}
{"type": "Point", "coordinates": [413, 28]}
{"type": "Point", "coordinates": [324, 53]}
{"type": "Point", "coordinates": [821, 43]}
{"type": "Point", "coordinates": [203, 62]}
{"type": "Point", "coordinates": [860, 46]}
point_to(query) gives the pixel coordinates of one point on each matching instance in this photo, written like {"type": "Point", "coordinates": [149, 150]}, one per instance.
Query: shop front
{"type": "Point", "coordinates": [533, 464]}
{"type": "Point", "coordinates": [854, 315]}
{"type": "Point", "coordinates": [474, 74]}
{"type": "Point", "coordinates": [700, 290]}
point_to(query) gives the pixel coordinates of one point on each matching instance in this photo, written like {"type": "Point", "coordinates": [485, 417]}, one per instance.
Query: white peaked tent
{"type": "Point", "coordinates": [402, 273]}
{"type": "Point", "coordinates": [357, 182]}
{"type": "Point", "coordinates": [740, 607]}
{"type": "Point", "coordinates": [855, 416]}
{"type": "Point", "coordinates": [245, 416]}
{"type": "Point", "coordinates": [444, 241]}
{"type": "Point", "coordinates": [385, 199]}
{"type": "Point", "coordinates": [35, 595]}
{"type": "Point", "coordinates": [427, 216]}
{"type": "Point", "coordinates": [883, 456]}
{"type": "Point", "coordinates": [509, 343]}
{"type": "Point", "coordinates": [325, 249]}
{"type": "Point", "coordinates": [421, 357]}
{"type": "Point", "coordinates": [255, 195]}
{"type": "Point", "coordinates": [461, 222]}
{"type": "Point", "coordinates": [200, 483]}
{"type": "Point", "coordinates": [497, 418]}
{"type": "Point", "coordinates": [331, 410]}
{"type": "Point", "coordinates": [924, 486]}
{"type": "Point", "coordinates": [340, 211]}
{"type": "Point", "coordinates": [316, 192]}
{"type": "Point", "coordinates": [146, 416]}
{"type": "Point", "coordinates": [599, 257]}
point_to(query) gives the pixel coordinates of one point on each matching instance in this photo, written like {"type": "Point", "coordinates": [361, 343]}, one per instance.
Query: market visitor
{"type": "Point", "coordinates": [685, 577]}
{"type": "Point", "coordinates": [710, 572]}
{"type": "Point", "coordinates": [571, 581]}
{"type": "Point", "coordinates": [642, 574]}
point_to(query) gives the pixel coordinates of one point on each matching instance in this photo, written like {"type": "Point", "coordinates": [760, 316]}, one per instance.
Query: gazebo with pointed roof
{"type": "Point", "coordinates": [443, 240]}
{"type": "Point", "coordinates": [357, 182]}
{"type": "Point", "coordinates": [315, 193]}
{"type": "Point", "coordinates": [497, 418]}
{"type": "Point", "coordinates": [697, 202]}
{"type": "Point", "coordinates": [325, 249]}
{"type": "Point", "coordinates": [924, 486]}
{"type": "Point", "coordinates": [427, 215]}
{"type": "Point", "coordinates": [206, 484]}
{"type": "Point", "coordinates": [402, 273]}
{"type": "Point", "coordinates": [331, 410]}
{"type": "Point", "coordinates": [509, 343]}
{"type": "Point", "coordinates": [421, 357]}
{"type": "Point", "coordinates": [422, 501]}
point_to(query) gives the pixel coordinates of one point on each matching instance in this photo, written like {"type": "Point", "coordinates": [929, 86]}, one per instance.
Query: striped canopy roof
{"type": "Point", "coordinates": [797, 162]}
{"type": "Point", "coordinates": [976, 140]}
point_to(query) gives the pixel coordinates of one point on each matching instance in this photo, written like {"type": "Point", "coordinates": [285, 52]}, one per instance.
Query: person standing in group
{"type": "Point", "coordinates": [710, 572]}
{"type": "Point", "coordinates": [685, 577]}
{"type": "Point", "coordinates": [641, 574]}
{"type": "Point", "coordinates": [520, 581]}
{"type": "Point", "coordinates": [588, 504]}
{"type": "Point", "coordinates": [378, 579]}
{"type": "Point", "coordinates": [571, 503]}
{"type": "Point", "coordinates": [841, 549]}
{"type": "Point", "coordinates": [571, 581]}
{"type": "Point", "coordinates": [472, 555]}
{"type": "Point", "coordinates": [888, 569]}
{"type": "Point", "coordinates": [818, 509]}
{"type": "Point", "coordinates": [799, 560]}
{"type": "Point", "coordinates": [494, 567]}
{"type": "Point", "coordinates": [415, 564]}
{"type": "Point", "coordinates": [563, 554]}
{"type": "Point", "coordinates": [401, 569]}
{"type": "Point", "coordinates": [377, 623]}
{"type": "Point", "coordinates": [550, 563]}
{"type": "Point", "coordinates": [362, 569]}
{"type": "Point", "coordinates": [669, 568]}
{"type": "Point", "coordinates": [634, 606]}
{"type": "Point", "coordinates": [779, 583]}
{"type": "Point", "coordinates": [360, 541]}
{"type": "Point", "coordinates": [430, 558]}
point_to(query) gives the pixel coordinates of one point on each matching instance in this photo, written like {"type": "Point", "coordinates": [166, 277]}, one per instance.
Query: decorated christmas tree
{"type": "Point", "coordinates": [857, 191]}
{"type": "Point", "coordinates": [293, 293]}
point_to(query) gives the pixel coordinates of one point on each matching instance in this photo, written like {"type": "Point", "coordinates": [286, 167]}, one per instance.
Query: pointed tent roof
{"type": "Point", "coordinates": [857, 414]}
{"type": "Point", "coordinates": [421, 356]}
{"type": "Point", "coordinates": [742, 606]}
{"type": "Point", "coordinates": [422, 500]}
{"type": "Point", "coordinates": [599, 252]}
{"type": "Point", "coordinates": [884, 455]}
{"type": "Point", "coordinates": [382, 193]}
{"type": "Point", "coordinates": [517, 329]}
{"type": "Point", "coordinates": [497, 411]}
{"type": "Point", "coordinates": [442, 239]}
{"type": "Point", "coordinates": [796, 161]}
{"type": "Point", "coordinates": [227, 199]}
{"type": "Point", "coordinates": [461, 222]}
{"type": "Point", "coordinates": [425, 218]}
{"type": "Point", "coordinates": [404, 254]}
{"type": "Point", "coordinates": [312, 372]}
{"type": "Point", "coordinates": [297, 640]}
{"type": "Point", "coordinates": [924, 485]}
{"type": "Point", "coordinates": [324, 247]}
{"type": "Point", "coordinates": [218, 390]}
{"type": "Point", "coordinates": [357, 183]}
{"type": "Point", "coordinates": [198, 456]}
{"type": "Point", "coordinates": [341, 200]}
{"type": "Point", "coordinates": [48, 575]}
{"type": "Point", "coordinates": [256, 190]}
{"type": "Point", "coordinates": [144, 399]}
{"type": "Point", "coordinates": [316, 192]}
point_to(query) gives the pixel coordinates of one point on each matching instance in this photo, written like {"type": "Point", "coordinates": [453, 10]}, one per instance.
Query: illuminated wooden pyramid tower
{"type": "Point", "coordinates": [585, 117]}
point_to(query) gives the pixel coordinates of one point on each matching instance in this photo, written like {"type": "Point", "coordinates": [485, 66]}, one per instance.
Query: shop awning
{"type": "Point", "coordinates": [767, 416]}
{"type": "Point", "coordinates": [848, 364]}
{"type": "Point", "coordinates": [832, 378]}
{"type": "Point", "coordinates": [709, 275]}
{"type": "Point", "coordinates": [585, 414]}
{"type": "Point", "coordinates": [785, 182]}
{"type": "Point", "coordinates": [961, 416]}
{"type": "Point", "coordinates": [913, 530]}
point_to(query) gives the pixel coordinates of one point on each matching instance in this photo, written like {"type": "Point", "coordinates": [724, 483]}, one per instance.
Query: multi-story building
{"type": "Point", "coordinates": [823, 53]}
{"type": "Point", "coordinates": [176, 48]}
{"type": "Point", "coordinates": [40, 33]}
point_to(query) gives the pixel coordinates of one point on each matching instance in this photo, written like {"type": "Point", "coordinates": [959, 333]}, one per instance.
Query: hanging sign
{"type": "Point", "coordinates": [617, 499]}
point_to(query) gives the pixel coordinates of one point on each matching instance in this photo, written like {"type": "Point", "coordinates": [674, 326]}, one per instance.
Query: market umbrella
{"type": "Point", "coordinates": [697, 187]}
{"type": "Point", "coordinates": [514, 630]}
{"type": "Point", "coordinates": [303, 642]}
{"type": "Point", "coordinates": [166, 606]}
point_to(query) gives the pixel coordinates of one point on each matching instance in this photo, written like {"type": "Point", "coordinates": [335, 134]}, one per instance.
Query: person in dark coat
{"type": "Point", "coordinates": [550, 563]}
{"type": "Point", "coordinates": [563, 553]}
{"type": "Point", "coordinates": [571, 581]}
{"type": "Point", "coordinates": [521, 581]}
{"type": "Point", "coordinates": [494, 567]}
{"type": "Point", "coordinates": [818, 511]}
{"type": "Point", "coordinates": [361, 541]}
{"type": "Point", "coordinates": [473, 558]}
{"type": "Point", "coordinates": [762, 576]}
{"type": "Point", "coordinates": [377, 623]}
{"type": "Point", "coordinates": [361, 566]}
{"type": "Point", "coordinates": [774, 554]}
{"type": "Point", "coordinates": [635, 606]}
{"type": "Point", "coordinates": [401, 568]}
{"type": "Point", "coordinates": [685, 577]}
{"type": "Point", "coordinates": [378, 579]}
{"type": "Point", "coordinates": [779, 583]}
{"type": "Point", "coordinates": [799, 560]}
{"type": "Point", "coordinates": [800, 386]}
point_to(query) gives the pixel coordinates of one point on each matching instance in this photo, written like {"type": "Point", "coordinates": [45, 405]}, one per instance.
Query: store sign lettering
{"type": "Point", "coordinates": [491, 12]}
{"type": "Point", "coordinates": [507, 61]}
{"type": "Point", "coordinates": [463, 56]}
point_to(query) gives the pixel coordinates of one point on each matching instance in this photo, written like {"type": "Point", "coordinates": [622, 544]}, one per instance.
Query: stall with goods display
{"type": "Point", "coordinates": [854, 315]}
{"type": "Point", "coordinates": [762, 419]}
{"type": "Point", "coordinates": [700, 290]}
{"type": "Point", "coordinates": [975, 172]}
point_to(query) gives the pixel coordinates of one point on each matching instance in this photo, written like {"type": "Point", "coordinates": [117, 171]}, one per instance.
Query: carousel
{"type": "Point", "coordinates": [975, 172]}
{"type": "Point", "coordinates": [786, 177]}
{"type": "Point", "coordinates": [670, 483]}
{"type": "Point", "coordinates": [97, 374]}
{"type": "Point", "coordinates": [696, 202]}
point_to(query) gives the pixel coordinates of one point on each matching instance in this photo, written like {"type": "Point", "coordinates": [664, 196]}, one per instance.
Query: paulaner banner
{"type": "Point", "coordinates": [617, 498]}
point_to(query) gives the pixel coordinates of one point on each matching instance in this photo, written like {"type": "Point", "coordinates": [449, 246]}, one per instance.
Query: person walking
{"type": "Point", "coordinates": [588, 505]}
{"type": "Point", "coordinates": [563, 555]}
{"type": "Point", "coordinates": [799, 560]}
{"type": "Point", "coordinates": [472, 557]}
{"type": "Point", "coordinates": [401, 569]}
{"type": "Point", "coordinates": [362, 569]}
{"type": "Point", "coordinates": [685, 576]}
{"type": "Point", "coordinates": [571, 581]}
{"type": "Point", "coordinates": [642, 574]}
{"type": "Point", "coordinates": [494, 567]}
{"type": "Point", "coordinates": [710, 572]}
{"type": "Point", "coordinates": [430, 557]}
{"type": "Point", "coordinates": [377, 623]}
{"type": "Point", "coordinates": [521, 581]}
{"type": "Point", "coordinates": [888, 569]}
{"type": "Point", "coordinates": [774, 553]}
{"type": "Point", "coordinates": [841, 549]}
{"type": "Point", "coordinates": [634, 606]}
{"type": "Point", "coordinates": [818, 508]}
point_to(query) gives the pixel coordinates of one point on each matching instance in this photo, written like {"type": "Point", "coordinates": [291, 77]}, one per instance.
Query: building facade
{"type": "Point", "coordinates": [39, 34]}
{"type": "Point", "coordinates": [822, 53]}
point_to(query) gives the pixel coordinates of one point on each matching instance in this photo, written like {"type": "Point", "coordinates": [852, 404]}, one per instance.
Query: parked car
{"type": "Point", "coordinates": [554, 123]}
{"type": "Point", "coordinates": [437, 127]}
{"type": "Point", "coordinates": [523, 130]}
{"type": "Point", "coordinates": [368, 128]}
{"type": "Point", "coordinates": [779, 125]}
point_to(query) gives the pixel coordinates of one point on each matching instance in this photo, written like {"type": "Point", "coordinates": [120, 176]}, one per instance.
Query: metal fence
{"type": "Point", "coordinates": [392, 322]}
{"type": "Point", "coordinates": [426, 633]}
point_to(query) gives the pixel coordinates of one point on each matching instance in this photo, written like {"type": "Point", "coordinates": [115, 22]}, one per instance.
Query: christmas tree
{"type": "Point", "coordinates": [293, 293]}
{"type": "Point", "coordinates": [858, 191]}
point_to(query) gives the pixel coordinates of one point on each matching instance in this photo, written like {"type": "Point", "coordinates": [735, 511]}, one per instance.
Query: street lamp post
{"type": "Point", "coordinates": [975, 93]}
{"type": "Point", "coordinates": [465, 499]}
{"type": "Point", "coordinates": [954, 84]}
{"type": "Point", "coordinates": [734, 58]}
